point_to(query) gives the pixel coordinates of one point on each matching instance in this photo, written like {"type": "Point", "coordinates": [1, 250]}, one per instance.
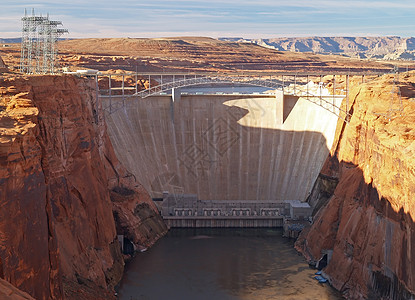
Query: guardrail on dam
{"type": "Point", "coordinates": [299, 85]}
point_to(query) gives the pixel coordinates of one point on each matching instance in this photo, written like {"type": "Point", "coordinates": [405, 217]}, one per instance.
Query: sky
{"type": "Point", "coordinates": [217, 18]}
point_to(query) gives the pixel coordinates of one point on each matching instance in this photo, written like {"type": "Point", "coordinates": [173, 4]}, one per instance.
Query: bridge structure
{"type": "Point", "coordinates": [250, 152]}
{"type": "Point", "coordinates": [129, 86]}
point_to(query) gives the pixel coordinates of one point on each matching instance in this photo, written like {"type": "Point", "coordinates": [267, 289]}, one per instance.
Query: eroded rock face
{"type": "Point", "coordinates": [368, 223]}
{"type": "Point", "coordinates": [8, 291]}
{"type": "Point", "coordinates": [138, 221]}
{"type": "Point", "coordinates": [57, 230]}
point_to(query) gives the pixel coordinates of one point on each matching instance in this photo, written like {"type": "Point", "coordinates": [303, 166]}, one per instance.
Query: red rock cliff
{"type": "Point", "coordinates": [367, 225]}
{"type": "Point", "coordinates": [58, 175]}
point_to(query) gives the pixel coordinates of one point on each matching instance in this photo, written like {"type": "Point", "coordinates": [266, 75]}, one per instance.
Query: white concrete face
{"type": "Point", "coordinates": [223, 147]}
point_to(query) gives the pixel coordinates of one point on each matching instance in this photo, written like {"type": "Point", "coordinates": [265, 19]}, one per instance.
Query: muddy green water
{"type": "Point", "coordinates": [222, 264]}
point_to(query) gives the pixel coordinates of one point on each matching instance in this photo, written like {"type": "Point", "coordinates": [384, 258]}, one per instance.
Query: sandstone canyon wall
{"type": "Point", "coordinates": [368, 183]}
{"type": "Point", "coordinates": [60, 188]}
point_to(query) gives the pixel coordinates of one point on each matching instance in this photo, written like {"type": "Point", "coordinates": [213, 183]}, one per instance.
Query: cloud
{"type": "Point", "coordinates": [261, 18]}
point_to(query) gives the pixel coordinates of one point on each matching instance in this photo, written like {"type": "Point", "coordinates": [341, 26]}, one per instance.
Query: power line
{"type": "Point", "coordinates": [39, 44]}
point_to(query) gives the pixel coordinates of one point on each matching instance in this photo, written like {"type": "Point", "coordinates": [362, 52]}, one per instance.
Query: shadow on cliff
{"type": "Point", "coordinates": [367, 241]}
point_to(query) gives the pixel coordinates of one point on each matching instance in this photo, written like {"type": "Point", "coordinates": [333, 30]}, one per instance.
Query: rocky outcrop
{"type": "Point", "coordinates": [9, 292]}
{"type": "Point", "coordinates": [58, 171]}
{"type": "Point", "coordinates": [3, 66]}
{"type": "Point", "coordinates": [367, 227]}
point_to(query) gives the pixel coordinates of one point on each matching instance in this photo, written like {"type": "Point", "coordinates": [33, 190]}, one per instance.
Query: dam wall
{"type": "Point", "coordinates": [230, 147]}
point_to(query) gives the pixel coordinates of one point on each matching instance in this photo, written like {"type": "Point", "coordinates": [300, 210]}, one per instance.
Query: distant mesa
{"type": "Point", "coordinates": [387, 48]}
{"type": "Point", "coordinates": [11, 40]}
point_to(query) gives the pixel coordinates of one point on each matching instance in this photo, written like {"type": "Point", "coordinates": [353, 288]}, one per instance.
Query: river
{"type": "Point", "coordinates": [228, 264]}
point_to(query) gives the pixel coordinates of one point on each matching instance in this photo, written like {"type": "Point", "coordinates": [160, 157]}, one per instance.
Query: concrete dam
{"type": "Point", "coordinates": [223, 147]}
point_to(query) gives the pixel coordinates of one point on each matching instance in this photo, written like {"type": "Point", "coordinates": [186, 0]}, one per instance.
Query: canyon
{"type": "Point", "coordinates": [66, 193]}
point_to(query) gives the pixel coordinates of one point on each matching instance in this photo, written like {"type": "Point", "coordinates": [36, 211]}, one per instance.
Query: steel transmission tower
{"type": "Point", "coordinates": [39, 44]}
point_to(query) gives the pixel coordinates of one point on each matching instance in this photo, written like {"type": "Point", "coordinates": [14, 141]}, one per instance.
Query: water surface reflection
{"type": "Point", "coordinates": [222, 264]}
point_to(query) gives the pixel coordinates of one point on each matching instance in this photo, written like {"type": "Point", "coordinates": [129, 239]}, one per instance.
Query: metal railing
{"type": "Point", "coordinates": [297, 89]}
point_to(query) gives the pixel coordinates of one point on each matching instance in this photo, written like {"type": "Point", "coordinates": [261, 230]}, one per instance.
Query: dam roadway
{"type": "Point", "coordinates": [223, 147]}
